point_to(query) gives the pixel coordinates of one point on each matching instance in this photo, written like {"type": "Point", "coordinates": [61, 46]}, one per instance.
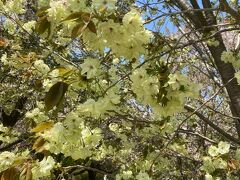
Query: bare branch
{"type": "Point", "coordinates": [212, 125]}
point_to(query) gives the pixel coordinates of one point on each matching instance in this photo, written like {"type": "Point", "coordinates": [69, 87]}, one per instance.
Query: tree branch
{"type": "Point", "coordinates": [224, 6]}
{"type": "Point", "coordinates": [212, 125]}
{"type": "Point", "coordinates": [180, 12]}
{"type": "Point", "coordinates": [197, 134]}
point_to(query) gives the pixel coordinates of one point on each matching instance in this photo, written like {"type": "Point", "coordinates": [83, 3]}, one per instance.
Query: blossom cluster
{"type": "Point", "coordinates": [125, 40]}
{"type": "Point", "coordinates": [178, 88]}
{"type": "Point", "coordinates": [72, 138]}
{"type": "Point", "coordinates": [229, 57]}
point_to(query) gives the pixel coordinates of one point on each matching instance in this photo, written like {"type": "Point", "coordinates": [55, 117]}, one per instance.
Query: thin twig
{"type": "Point", "coordinates": [212, 125]}
{"type": "Point", "coordinates": [181, 12]}
{"type": "Point", "coordinates": [197, 134]}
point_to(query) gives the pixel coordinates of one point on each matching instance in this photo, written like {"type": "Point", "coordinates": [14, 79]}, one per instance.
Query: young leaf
{"type": "Point", "coordinates": [41, 127]}
{"type": "Point", "coordinates": [86, 17]}
{"type": "Point", "coordinates": [42, 25]}
{"type": "Point", "coordinates": [10, 174]}
{"type": "Point", "coordinates": [55, 95]}
{"type": "Point", "coordinates": [63, 71]}
{"type": "Point", "coordinates": [77, 30]}
{"type": "Point", "coordinates": [72, 16]}
{"type": "Point", "coordinates": [26, 173]}
{"type": "Point", "coordinates": [42, 11]}
{"type": "Point", "coordinates": [38, 145]}
{"type": "Point", "coordinates": [91, 26]}
{"type": "Point", "coordinates": [29, 172]}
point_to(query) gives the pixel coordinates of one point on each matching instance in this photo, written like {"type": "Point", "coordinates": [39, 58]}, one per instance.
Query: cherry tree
{"type": "Point", "coordinates": [109, 89]}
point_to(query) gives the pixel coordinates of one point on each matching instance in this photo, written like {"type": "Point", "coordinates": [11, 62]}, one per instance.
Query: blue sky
{"type": "Point", "coordinates": [167, 25]}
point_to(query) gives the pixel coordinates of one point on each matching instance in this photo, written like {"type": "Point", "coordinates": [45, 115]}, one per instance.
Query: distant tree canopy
{"type": "Point", "coordinates": [108, 89]}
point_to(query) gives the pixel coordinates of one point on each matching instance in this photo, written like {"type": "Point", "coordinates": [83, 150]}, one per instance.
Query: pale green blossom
{"type": "Point", "coordinates": [219, 163]}
{"type": "Point", "coordinates": [10, 26]}
{"type": "Point", "coordinates": [54, 73]}
{"type": "Point", "coordinates": [116, 61]}
{"type": "Point", "coordinates": [43, 3]}
{"type": "Point", "coordinates": [133, 36]}
{"type": "Point", "coordinates": [37, 115]}
{"type": "Point", "coordinates": [208, 177]}
{"type": "Point", "coordinates": [5, 60]}
{"type": "Point", "coordinates": [46, 165]}
{"type": "Point", "coordinates": [98, 108]}
{"type": "Point", "coordinates": [237, 155]}
{"type": "Point", "coordinates": [213, 151]}
{"type": "Point", "coordinates": [230, 57]}
{"type": "Point", "coordinates": [142, 176]}
{"type": "Point", "coordinates": [133, 18]}
{"type": "Point", "coordinates": [6, 160]}
{"type": "Point", "coordinates": [90, 67]}
{"type": "Point", "coordinates": [15, 6]}
{"type": "Point", "coordinates": [41, 67]}
{"type": "Point", "coordinates": [213, 42]}
{"type": "Point", "coordinates": [43, 168]}
{"type": "Point", "coordinates": [144, 86]}
{"type": "Point", "coordinates": [223, 147]}
{"type": "Point", "coordinates": [237, 75]}
{"type": "Point", "coordinates": [57, 11]}
{"type": "Point", "coordinates": [208, 165]}
{"type": "Point", "coordinates": [94, 41]}
{"type": "Point", "coordinates": [29, 26]}
{"type": "Point", "coordinates": [113, 127]}
{"type": "Point", "coordinates": [91, 138]}
{"type": "Point", "coordinates": [124, 175]}
{"type": "Point", "coordinates": [102, 4]}
{"type": "Point", "coordinates": [77, 5]}
{"type": "Point", "coordinates": [72, 138]}
{"type": "Point", "coordinates": [7, 135]}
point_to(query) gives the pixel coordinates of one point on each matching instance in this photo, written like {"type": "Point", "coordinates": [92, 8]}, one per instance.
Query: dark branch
{"type": "Point", "coordinates": [212, 125]}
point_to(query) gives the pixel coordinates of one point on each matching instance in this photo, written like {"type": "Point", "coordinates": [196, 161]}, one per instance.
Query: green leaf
{"type": "Point", "coordinates": [223, 147]}
{"type": "Point", "coordinates": [42, 25]}
{"type": "Point", "coordinates": [55, 95]}
{"type": "Point", "coordinates": [77, 30]}
{"type": "Point", "coordinates": [77, 15]}
{"type": "Point", "coordinates": [91, 26]}
{"type": "Point", "coordinates": [42, 127]}
{"type": "Point", "coordinates": [86, 17]}
{"type": "Point", "coordinates": [73, 16]}
{"type": "Point", "coordinates": [38, 145]}
{"type": "Point", "coordinates": [42, 11]}
{"type": "Point", "coordinates": [10, 174]}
